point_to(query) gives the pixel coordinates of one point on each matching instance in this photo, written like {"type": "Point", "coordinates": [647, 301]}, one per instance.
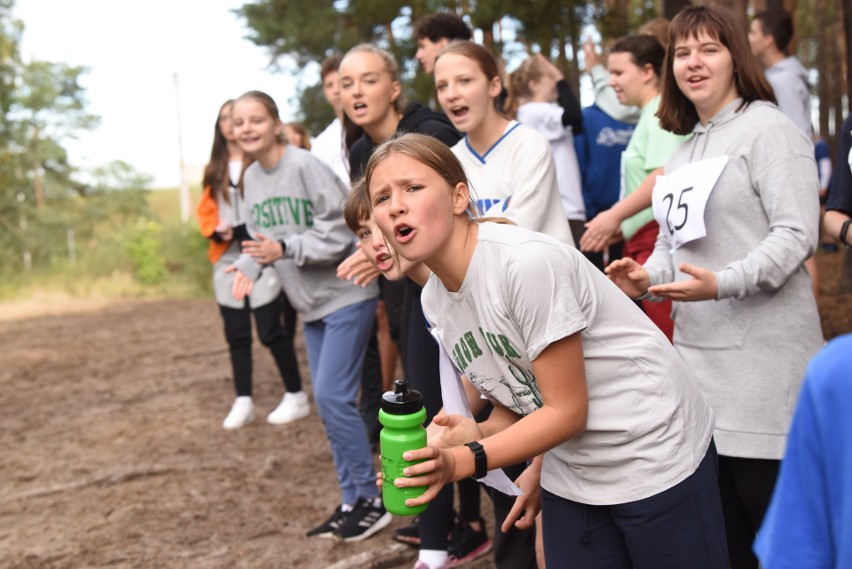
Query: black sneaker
{"type": "Point", "coordinates": [466, 544]}
{"type": "Point", "coordinates": [362, 522]}
{"type": "Point", "coordinates": [329, 526]}
{"type": "Point", "coordinates": [410, 534]}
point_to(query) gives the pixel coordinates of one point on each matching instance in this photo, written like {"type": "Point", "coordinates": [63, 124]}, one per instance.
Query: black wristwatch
{"type": "Point", "coordinates": [283, 247]}
{"type": "Point", "coordinates": [480, 461]}
{"type": "Point", "coordinates": [844, 229]}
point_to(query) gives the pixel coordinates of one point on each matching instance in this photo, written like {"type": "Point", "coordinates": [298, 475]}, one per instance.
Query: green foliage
{"type": "Point", "coordinates": [314, 112]}
{"type": "Point", "coordinates": [310, 32]}
{"type": "Point", "coordinates": [62, 228]}
{"type": "Point", "coordinates": [143, 247]}
{"type": "Point", "coordinates": [185, 252]}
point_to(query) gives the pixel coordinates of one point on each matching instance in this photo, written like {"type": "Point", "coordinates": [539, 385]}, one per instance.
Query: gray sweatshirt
{"type": "Point", "coordinates": [300, 201]}
{"type": "Point", "coordinates": [789, 80]}
{"type": "Point", "coordinates": [749, 348]}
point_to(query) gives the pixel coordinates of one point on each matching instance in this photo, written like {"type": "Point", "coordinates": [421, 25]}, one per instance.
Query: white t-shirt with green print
{"type": "Point", "coordinates": [648, 427]}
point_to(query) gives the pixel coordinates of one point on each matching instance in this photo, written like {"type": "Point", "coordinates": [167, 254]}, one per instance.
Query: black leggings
{"type": "Point", "coordinates": [273, 333]}
{"type": "Point", "coordinates": [745, 485]}
{"type": "Point", "coordinates": [419, 352]}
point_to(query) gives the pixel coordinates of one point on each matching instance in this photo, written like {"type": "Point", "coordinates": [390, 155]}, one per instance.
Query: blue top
{"type": "Point", "coordinates": [809, 521]}
{"type": "Point", "coordinates": [599, 150]}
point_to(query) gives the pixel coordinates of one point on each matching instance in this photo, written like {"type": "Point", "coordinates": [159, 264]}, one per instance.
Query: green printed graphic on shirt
{"type": "Point", "coordinates": [517, 392]}
{"type": "Point", "coordinates": [278, 211]}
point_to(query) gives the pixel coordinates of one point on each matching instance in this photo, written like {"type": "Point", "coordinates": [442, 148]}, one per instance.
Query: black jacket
{"type": "Point", "coordinates": [416, 118]}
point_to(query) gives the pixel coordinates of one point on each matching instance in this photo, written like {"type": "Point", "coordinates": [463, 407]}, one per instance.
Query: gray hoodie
{"type": "Point", "coordinates": [789, 80]}
{"type": "Point", "coordinates": [749, 348]}
{"type": "Point", "coordinates": [300, 201]}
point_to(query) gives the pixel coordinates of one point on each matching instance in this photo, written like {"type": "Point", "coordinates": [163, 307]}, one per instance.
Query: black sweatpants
{"type": "Point", "coordinates": [419, 352]}
{"type": "Point", "coordinates": [274, 332]}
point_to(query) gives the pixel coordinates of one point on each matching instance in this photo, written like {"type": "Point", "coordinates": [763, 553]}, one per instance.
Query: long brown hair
{"type": "Point", "coordinates": [677, 113]}
{"type": "Point", "coordinates": [531, 69]}
{"type": "Point", "coordinates": [482, 57]}
{"type": "Point", "coordinates": [302, 131]}
{"type": "Point", "coordinates": [216, 174]}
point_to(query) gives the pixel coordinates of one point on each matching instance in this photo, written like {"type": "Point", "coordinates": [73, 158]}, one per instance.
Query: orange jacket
{"type": "Point", "coordinates": [208, 218]}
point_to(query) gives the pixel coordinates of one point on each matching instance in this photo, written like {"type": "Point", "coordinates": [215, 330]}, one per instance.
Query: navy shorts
{"type": "Point", "coordinates": [678, 528]}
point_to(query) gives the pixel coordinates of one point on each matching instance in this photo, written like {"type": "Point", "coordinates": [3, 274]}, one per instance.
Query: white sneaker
{"type": "Point", "coordinates": [241, 414]}
{"type": "Point", "coordinates": [293, 407]}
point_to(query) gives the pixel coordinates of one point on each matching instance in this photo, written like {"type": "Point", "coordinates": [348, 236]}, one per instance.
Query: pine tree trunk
{"type": "Point", "coordinates": [824, 59]}
{"type": "Point", "coordinates": [672, 7]}
{"type": "Point", "coordinates": [843, 13]}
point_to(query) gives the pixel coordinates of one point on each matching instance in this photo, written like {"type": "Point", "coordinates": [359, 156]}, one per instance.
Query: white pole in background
{"type": "Point", "coordinates": [184, 184]}
{"type": "Point", "coordinates": [72, 247]}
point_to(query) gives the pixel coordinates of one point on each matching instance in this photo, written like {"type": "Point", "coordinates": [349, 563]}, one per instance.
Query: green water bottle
{"type": "Point", "coordinates": [402, 416]}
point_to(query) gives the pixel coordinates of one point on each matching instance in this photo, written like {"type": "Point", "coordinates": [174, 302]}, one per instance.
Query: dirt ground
{"type": "Point", "coordinates": [112, 452]}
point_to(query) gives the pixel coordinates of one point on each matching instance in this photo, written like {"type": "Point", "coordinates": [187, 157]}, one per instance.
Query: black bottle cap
{"type": "Point", "coordinates": [402, 400]}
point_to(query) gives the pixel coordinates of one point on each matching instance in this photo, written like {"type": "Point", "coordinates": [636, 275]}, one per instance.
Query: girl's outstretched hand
{"type": "Point", "coordinates": [702, 286]}
{"type": "Point", "coordinates": [590, 55]}
{"type": "Point", "coordinates": [629, 276]}
{"type": "Point", "coordinates": [447, 431]}
{"type": "Point", "coordinates": [242, 284]}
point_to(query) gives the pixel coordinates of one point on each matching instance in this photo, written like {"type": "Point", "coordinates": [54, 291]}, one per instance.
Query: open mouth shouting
{"type": "Point", "coordinates": [458, 112]}
{"type": "Point", "coordinates": [403, 233]}
{"type": "Point", "coordinates": [384, 262]}
{"type": "Point", "coordinates": [359, 109]}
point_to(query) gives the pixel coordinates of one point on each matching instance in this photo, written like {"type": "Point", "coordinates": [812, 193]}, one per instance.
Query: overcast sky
{"type": "Point", "coordinates": [134, 50]}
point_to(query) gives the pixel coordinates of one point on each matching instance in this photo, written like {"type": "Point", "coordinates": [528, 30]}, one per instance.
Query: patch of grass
{"type": "Point", "coordinates": [152, 255]}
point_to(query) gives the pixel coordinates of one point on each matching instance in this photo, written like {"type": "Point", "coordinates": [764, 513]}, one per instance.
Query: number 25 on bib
{"type": "Point", "coordinates": [679, 199]}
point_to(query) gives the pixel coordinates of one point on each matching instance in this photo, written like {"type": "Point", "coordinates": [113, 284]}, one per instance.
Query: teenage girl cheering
{"type": "Point", "coordinates": [746, 321]}
{"type": "Point", "coordinates": [533, 87]}
{"type": "Point", "coordinates": [635, 64]}
{"type": "Point", "coordinates": [295, 212]}
{"type": "Point", "coordinates": [510, 165]}
{"type": "Point", "coordinates": [575, 371]}
{"type": "Point", "coordinates": [371, 95]}
{"type": "Point", "coordinates": [222, 216]}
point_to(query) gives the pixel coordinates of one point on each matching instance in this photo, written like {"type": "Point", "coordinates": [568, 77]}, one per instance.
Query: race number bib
{"type": "Point", "coordinates": [679, 199]}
